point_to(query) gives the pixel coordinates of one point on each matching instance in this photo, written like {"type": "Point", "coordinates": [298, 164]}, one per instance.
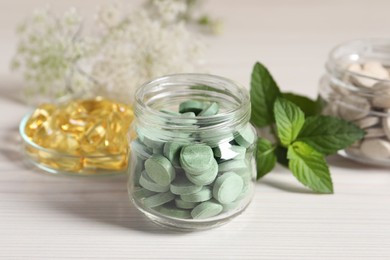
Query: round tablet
{"type": "Point", "coordinates": [185, 204]}
{"type": "Point", "coordinates": [367, 121]}
{"type": "Point", "coordinates": [205, 178]}
{"type": "Point", "coordinates": [181, 185]}
{"type": "Point", "coordinates": [204, 194]}
{"type": "Point", "coordinates": [353, 108]}
{"type": "Point", "coordinates": [386, 125]}
{"type": "Point", "coordinates": [141, 193]}
{"type": "Point", "coordinates": [194, 106]}
{"type": "Point", "coordinates": [227, 187]}
{"type": "Point", "coordinates": [374, 132]}
{"type": "Point", "coordinates": [376, 148]}
{"type": "Point", "coordinates": [172, 152]}
{"type": "Point", "coordinates": [245, 137]}
{"type": "Point", "coordinates": [160, 169]}
{"type": "Point", "coordinates": [232, 165]}
{"type": "Point", "coordinates": [206, 210]}
{"type": "Point", "coordinates": [172, 211]}
{"type": "Point", "coordinates": [146, 182]}
{"type": "Point", "coordinates": [158, 199]}
{"type": "Point", "coordinates": [210, 110]}
{"type": "Point", "coordinates": [196, 158]}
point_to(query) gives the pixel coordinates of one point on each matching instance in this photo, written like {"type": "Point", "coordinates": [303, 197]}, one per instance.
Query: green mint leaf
{"type": "Point", "coordinates": [263, 93]}
{"type": "Point", "coordinates": [307, 105]}
{"type": "Point", "coordinates": [265, 157]}
{"type": "Point", "coordinates": [309, 167]}
{"type": "Point", "coordinates": [281, 155]}
{"type": "Point", "coordinates": [328, 134]}
{"type": "Point", "coordinates": [289, 120]}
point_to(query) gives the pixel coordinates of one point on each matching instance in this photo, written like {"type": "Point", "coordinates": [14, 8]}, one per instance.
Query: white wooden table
{"type": "Point", "coordinates": [54, 217]}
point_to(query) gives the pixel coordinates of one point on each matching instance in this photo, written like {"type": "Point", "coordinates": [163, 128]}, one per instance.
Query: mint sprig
{"type": "Point", "coordinates": [303, 137]}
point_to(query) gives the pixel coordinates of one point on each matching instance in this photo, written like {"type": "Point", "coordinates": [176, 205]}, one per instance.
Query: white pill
{"type": "Point", "coordinates": [381, 95]}
{"type": "Point", "coordinates": [353, 108]}
{"type": "Point", "coordinates": [386, 125]}
{"type": "Point", "coordinates": [370, 73]}
{"type": "Point", "coordinates": [374, 132]}
{"type": "Point", "coordinates": [376, 148]}
{"type": "Point", "coordinates": [367, 122]}
{"type": "Point", "coordinates": [331, 109]}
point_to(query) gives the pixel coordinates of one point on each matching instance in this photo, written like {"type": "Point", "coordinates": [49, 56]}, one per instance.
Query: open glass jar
{"type": "Point", "coordinates": [356, 87]}
{"type": "Point", "coordinates": [192, 150]}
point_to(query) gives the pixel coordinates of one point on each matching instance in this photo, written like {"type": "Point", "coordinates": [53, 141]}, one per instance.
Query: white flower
{"type": "Point", "coordinates": [109, 15]}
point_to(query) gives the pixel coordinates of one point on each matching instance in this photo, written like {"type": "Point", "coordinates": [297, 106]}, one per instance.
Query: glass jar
{"type": "Point", "coordinates": [356, 87]}
{"type": "Point", "coordinates": [192, 151]}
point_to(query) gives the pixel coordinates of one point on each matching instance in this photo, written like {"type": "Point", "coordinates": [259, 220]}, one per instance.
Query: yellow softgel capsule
{"type": "Point", "coordinates": [90, 133]}
{"type": "Point", "coordinates": [39, 116]}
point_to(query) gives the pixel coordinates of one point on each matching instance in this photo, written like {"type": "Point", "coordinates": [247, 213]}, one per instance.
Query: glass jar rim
{"type": "Point", "coordinates": [353, 51]}
{"type": "Point", "coordinates": [210, 83]}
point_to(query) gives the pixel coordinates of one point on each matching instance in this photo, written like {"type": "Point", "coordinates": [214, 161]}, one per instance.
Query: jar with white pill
{"type": "Point", "coordinates": [356, 88]}
{"type": "Point", "coordinates": [192, 151]}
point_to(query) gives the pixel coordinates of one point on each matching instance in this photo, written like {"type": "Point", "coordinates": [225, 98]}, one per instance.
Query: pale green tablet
{"type": "Point", "coordinates": [194, 106]}
{"type": "Point", "coordinates": [146, 182]}
{"type": "Point", "coordinates": [171, 211]}
{"type": "Point", "coordinates": [196, 158]}
{"type": "Point", "coordinates": [172, 152]}
{"type": "Point", "coordinates": [170, 112]}
{"type": "Point", "coordinates": [210, 110]}
{"type": "Point", "coordinates": [181, 185]}
{"type": "Point", "coordinates": [204, 194]}
{"type": "Point", "coordinates": [227, 187]}
{"type": "Point", "coordinates": [158, 199]}
{"type": "Point", "coordinates": [160, 169]}
{"type": "Point", "coordinates": [207, 177]}
{"type": "Point", "coordinates": [245, 137]}
{"type": "Point", "coordinates": [185, 204]}
{"type": "Point", "coordinates": [227, 152]}
{"type": "Point", "coordinates": [206, 210]}
{"type": "Point", "coordinates": [232, 165]}
{"type": "Point", "coordinates": [141, 193]}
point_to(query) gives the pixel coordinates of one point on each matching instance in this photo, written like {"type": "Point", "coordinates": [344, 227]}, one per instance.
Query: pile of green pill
{"type": "Point", "coordinates": [188, 179]}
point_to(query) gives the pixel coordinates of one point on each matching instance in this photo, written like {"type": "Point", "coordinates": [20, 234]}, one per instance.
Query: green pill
{"type": "Point", "coordinates": [204, 194]}
{"type": "Point", "coordinates": [170, 112]}
{"type": "Point", "coordinates": [181, 186]}
{"type": "Point", "coordinates": [210, 110]}
{"type": "Point", "coordinates": [141, 193]}
{"type": "Point", "coordinates": [185, 204]}
{"type": "Point", "coordinates": [245, 137]}
{"type": "Point", "coordinates": [206, 210]}
{"type": "Point", "coordinates": [146, 182]}
{"type": "Point", "coordinates": [207, 177]}
{"type": "Point", "coordinates": [172, 152]}
{"type": "Point", "coordinates": [174, 212]}
{"type": "Point", "coordinates": [160, 169]}
{"type": "Point", "coordinates": [158, 199]}
{"type": "Point", "coordinates": [227, 187]}
{"type": "Point", "coordinates": [196, 158]}
{"type": "Point", "coordinates": [232, 165]}
{"type": "Point", "coordinates": [194, 106]}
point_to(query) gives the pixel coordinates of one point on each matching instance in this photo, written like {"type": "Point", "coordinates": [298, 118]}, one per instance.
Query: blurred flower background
{"type": "Point", "coordinates": [111, 53]}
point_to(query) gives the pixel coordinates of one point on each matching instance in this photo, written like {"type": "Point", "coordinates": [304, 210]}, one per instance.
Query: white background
{"type": "Point", "coordinates": [51, 217]}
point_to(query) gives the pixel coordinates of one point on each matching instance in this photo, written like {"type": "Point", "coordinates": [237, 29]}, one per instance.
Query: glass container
{"type": "Point", "coordinates": [192, 151]}
{"type": "Point", "coordinates": [356, 88]}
